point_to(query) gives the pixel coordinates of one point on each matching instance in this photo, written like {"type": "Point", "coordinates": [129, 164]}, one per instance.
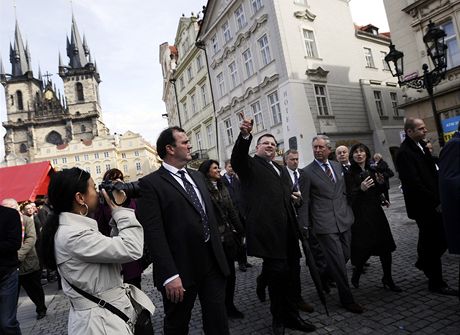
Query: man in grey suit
{"type": "Point", "coordinates": [328, 214]}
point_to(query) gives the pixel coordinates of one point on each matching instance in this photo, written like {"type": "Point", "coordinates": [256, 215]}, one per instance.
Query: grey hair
{"type": "Point", "coordinates": [323, 137]}
{"type": "Point", "coordinates": [290, 151]}
{"type": "Point", "coordinates": [11, 203]}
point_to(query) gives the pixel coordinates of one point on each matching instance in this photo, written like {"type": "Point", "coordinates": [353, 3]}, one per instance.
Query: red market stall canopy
{"type": "Point", "coordinates": [25, 182]}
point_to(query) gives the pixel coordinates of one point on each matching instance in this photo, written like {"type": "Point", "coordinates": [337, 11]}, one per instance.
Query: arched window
{"type": "Point", "coordinates": [54, 138]}
{"type": "Point", "coordinates": [82, 128]}
{"type": "Point", "coordinates": [80, 95]}
{"type": "Point", "coordinates": [23, 148]}
{"type": "Point", "coordinates": [19, 99]}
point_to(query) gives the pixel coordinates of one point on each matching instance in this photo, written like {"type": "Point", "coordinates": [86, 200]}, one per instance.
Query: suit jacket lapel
{"type": "Point", "coordinates": [268, 165]}
{"type": "Point", "coordinates": [320, 172]}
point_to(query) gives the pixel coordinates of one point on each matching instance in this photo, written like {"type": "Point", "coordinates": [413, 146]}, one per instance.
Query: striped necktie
{"type": "Point", "coordinates": [328, 171]}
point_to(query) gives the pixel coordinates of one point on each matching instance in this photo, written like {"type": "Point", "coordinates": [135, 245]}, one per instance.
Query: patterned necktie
{"type": "Point", "coordinates": [328, 171]}
{"type": "Point", "coordinates": [296, 182]}
{"type": "Point", "coordinates": [196, 202]}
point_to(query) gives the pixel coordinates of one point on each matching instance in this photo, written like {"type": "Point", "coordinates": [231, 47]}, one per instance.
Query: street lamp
{"type": "Point", "coordinates": [173, 82]}
{"type": "Point", "coordinates": [437, 51]}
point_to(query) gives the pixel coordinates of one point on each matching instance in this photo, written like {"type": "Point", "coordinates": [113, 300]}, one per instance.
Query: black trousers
{"type": "Point", "coordinates": [210, 289]}
{"type": "Point", "coordinates": [31, 283]}
{"type": "Point", "coordinates": [231, 283]}
{"type": "Point", "coordinates": [430, 248]}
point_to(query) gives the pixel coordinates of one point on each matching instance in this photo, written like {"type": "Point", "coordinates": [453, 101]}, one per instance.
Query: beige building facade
{"type": "Point", "coordinates": [408, 20]}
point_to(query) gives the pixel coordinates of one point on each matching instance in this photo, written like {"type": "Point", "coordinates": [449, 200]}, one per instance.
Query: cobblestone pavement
{"type": "Point", "coordinates": [414, 311]}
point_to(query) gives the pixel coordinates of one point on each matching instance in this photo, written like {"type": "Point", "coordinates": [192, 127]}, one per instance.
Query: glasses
{"type": "Point", "coordinates": [268, 143]}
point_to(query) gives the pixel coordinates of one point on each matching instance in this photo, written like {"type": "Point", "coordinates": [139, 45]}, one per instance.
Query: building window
{"type": "Point", "coordinates": [368, 57]}
{"type": "Point", "coordinates": [136, 153]}
{"type": "Point", "coordinates": [79, 89]}
{"type": "Point", "coordinates": [98, 169]}
{"type": "Point", "coordinates": [20, 101]}
{"type": "Point", "coordinates": [310, 44]}
{"type": "Point", "coordinates": [240, 17]}
{"type": "Point", "coordinates": [88, 169]}
{"type": "Point", "coordinates": [199, 62]}
{"type": "Point", "coordinates": [107, 167]}
{"type": "Point", "coordinates": [55, 161]}
{"type": "Point", "coordinates": [106, 154]}
{"type": "Point", "coordinates": [258, 118]}
{"type": "Point", "coordinates": [384, 64]}
{"type": "Point", "coordinates": [221, 84]}
{"type": "Point", "coordinates": [198, 140]}
{"type": "Point", "coordinates": [138, 166]}
{"type": "Point", "coordinates": [64, 160]}
{"type": "Point", "coordinates": [96, 155]}
{"type": "Point", "coordinates": [184, 109]}
{"type": "Point", "coordinates": [233, 74]}
{"type": "Point", "coordinates": [23, 148]}
{"type": "Point", "coordinates": [453, 51]}
{"type": "Point", "coordinates": [228, 130]}
{"type": "Point", "coordinates": [215, 44]}
{"type": "Point", "coordinates": [301, 2]}
{"type": "Point", "coordinates": [125, 168]}
{"type": "Point", "coordinates": [248, 64]}
{"type": "Point", "coordinates": [123, 155]}
{"type": "Point", "coordinates": [86, 157]}
{"type": "Point", "coordinates": [189, 73]}
{"type": "Point", "coordinates": [204, 95]}
{"type": "Point", "coordinates": [378, 102]}
{"type": "Point", "coordinates": [181, 83]}
{"type": "Point", "coordinates": [210, 135]}
{"type": "Point", "coordinates": [321, 100]}
{"type": "Point", "coordinates": [77, 158]}
{"type": "Point", "coordinates": [264, 50]}
{"type": "Point", "coordinates": [193, 103]}
{"type": "Point", "coordinates": [274, 103]}
{"type": "Point", "coordinates": [185, 45]}
{"type": "Point", "coordinates": [226, 32]}
{"type": "Point", "coordinates": [82, 128]}
{"type": "Point", "coordinates": [256, 5]}
{"type": "Point", "coordinates": [394, 103]}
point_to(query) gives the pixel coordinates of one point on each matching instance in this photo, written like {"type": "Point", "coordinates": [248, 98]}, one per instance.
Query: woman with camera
{"type": "Point", "coordinates": [132, 271]}
{"type": "Point", "coordinates": [371, 234]}
{"type": "Point", "coordinates": [230, 228]}
{"type": "Point", "coordinates": [89, 262]}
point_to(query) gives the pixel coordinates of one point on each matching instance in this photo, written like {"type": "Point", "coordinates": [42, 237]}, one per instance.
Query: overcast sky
{"type": "Point", "coordinates": [124, 38]}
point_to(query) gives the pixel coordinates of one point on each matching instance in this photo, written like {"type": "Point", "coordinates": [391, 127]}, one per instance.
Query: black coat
{"type": "Point", "coordinates": [234, 189]}
{"type": "Point", "coordinates": [10, 239]}
{"type": "Point", "coordinates": [449, 184]}
{"type": "Point", "coordinates": [370, 232]}
{"type": "Point", "coordinates": [173, 229]}
{"type": "Point", "coordinates": [269, 213]}
{"type": "Point", "coordinates": [419, 179]}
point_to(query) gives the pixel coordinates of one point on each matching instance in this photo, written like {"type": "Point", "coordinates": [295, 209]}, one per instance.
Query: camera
{"type": "Point", "coordinates": [131, 189]}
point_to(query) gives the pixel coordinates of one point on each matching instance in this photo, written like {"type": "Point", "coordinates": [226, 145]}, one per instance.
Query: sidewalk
{"type": "Point", "coordinates": [414, 311]}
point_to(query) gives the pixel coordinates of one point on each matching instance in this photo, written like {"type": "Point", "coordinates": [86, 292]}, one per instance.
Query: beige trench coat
{"type": "Point", "coordinates": [92, 262]}
{"type": "Point", "coordinates": [27, 255]}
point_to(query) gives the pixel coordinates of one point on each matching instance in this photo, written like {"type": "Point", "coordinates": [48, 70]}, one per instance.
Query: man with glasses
{"type": "Point", "coordinates": [271, 225]}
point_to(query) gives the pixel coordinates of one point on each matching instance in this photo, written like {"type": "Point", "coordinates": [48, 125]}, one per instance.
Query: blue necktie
{"type": "Point", "coordinates": [196, 202]}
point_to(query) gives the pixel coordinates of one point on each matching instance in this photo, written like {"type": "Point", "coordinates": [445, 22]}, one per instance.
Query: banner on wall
{"type": "Point", "coordinates": [449, 127]}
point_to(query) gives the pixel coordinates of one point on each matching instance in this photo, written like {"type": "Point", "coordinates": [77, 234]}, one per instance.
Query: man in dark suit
{"type": "Point", "coordinates": [271, 225]}
{"type": "Point", "coordinates": [419, 179]}
{"type": "Point", "coordinates": [342, 156]}
{"type": "Point", "coordinates": [329, 216]}
{"type": "Point", "coordinates": [231, 180]}
{"type": "Point", "coordinates": [180, 231]}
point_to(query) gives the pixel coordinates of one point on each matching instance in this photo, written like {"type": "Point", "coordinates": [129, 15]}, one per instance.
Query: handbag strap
{"type": "Point", "coordinates": [100, 302]}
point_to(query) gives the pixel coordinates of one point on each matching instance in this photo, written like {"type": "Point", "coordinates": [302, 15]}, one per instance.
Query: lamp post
{"type": "Point", "coordinates": [437, 51]}
{"type": "Point", "coordinates": [173, 82]}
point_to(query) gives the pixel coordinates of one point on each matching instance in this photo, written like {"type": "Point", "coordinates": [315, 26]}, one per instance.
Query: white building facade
{"type": "Point", "coordinates": [299, 68]}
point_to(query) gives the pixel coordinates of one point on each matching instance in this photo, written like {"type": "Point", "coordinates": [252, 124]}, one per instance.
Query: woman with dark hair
{"type": "Point", "coordinates": [229, 226]}
{"type": "Point", "coordinates": [86, 259]}
{"type": "Point", "coordinates": [132, 271]}
{"type": "Point", "coordinates": [370, 233]}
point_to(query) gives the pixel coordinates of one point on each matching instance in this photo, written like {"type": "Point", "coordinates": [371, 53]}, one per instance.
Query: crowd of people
{"type": "Point", "coordinates": [195, 225]}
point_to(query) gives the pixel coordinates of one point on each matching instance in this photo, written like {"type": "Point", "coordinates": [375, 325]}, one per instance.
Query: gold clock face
{"type": "Point", "coordinates": [48, 95]}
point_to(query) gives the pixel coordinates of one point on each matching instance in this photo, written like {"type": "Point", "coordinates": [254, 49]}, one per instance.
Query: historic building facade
{"type": "Point", "coordinates": [408, 22]}
{"type": "Point", "coordinates": [299, 68]}
{"type": "Point", "coordinates": [43, 125]}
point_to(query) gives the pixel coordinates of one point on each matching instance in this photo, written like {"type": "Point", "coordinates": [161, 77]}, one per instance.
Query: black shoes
{"type": "Point", "coordinates": [355, 277]}
{"type": "Point", "coordinates": [354, 308]}
{"type": "Point", "coordinates": [277, 327]}
{"type": "Point", "coordinates": [260, 289]}
{"type": "Point", "coordinates": [445, 291]}
{"type": "Point", "coordinates": [234, 313]}
{"type": "Point", "coordinates": [41, 314]}
{"type": "Point", "coordinates": [298, 324]}
{"type": "Point", "coordinates": [390, 284]}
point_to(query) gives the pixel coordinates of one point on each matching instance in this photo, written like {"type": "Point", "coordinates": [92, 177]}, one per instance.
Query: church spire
{"type": "Point", "coordinates": [19, 55]}
{"type": "Point", "coordinates": [76, 50]}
